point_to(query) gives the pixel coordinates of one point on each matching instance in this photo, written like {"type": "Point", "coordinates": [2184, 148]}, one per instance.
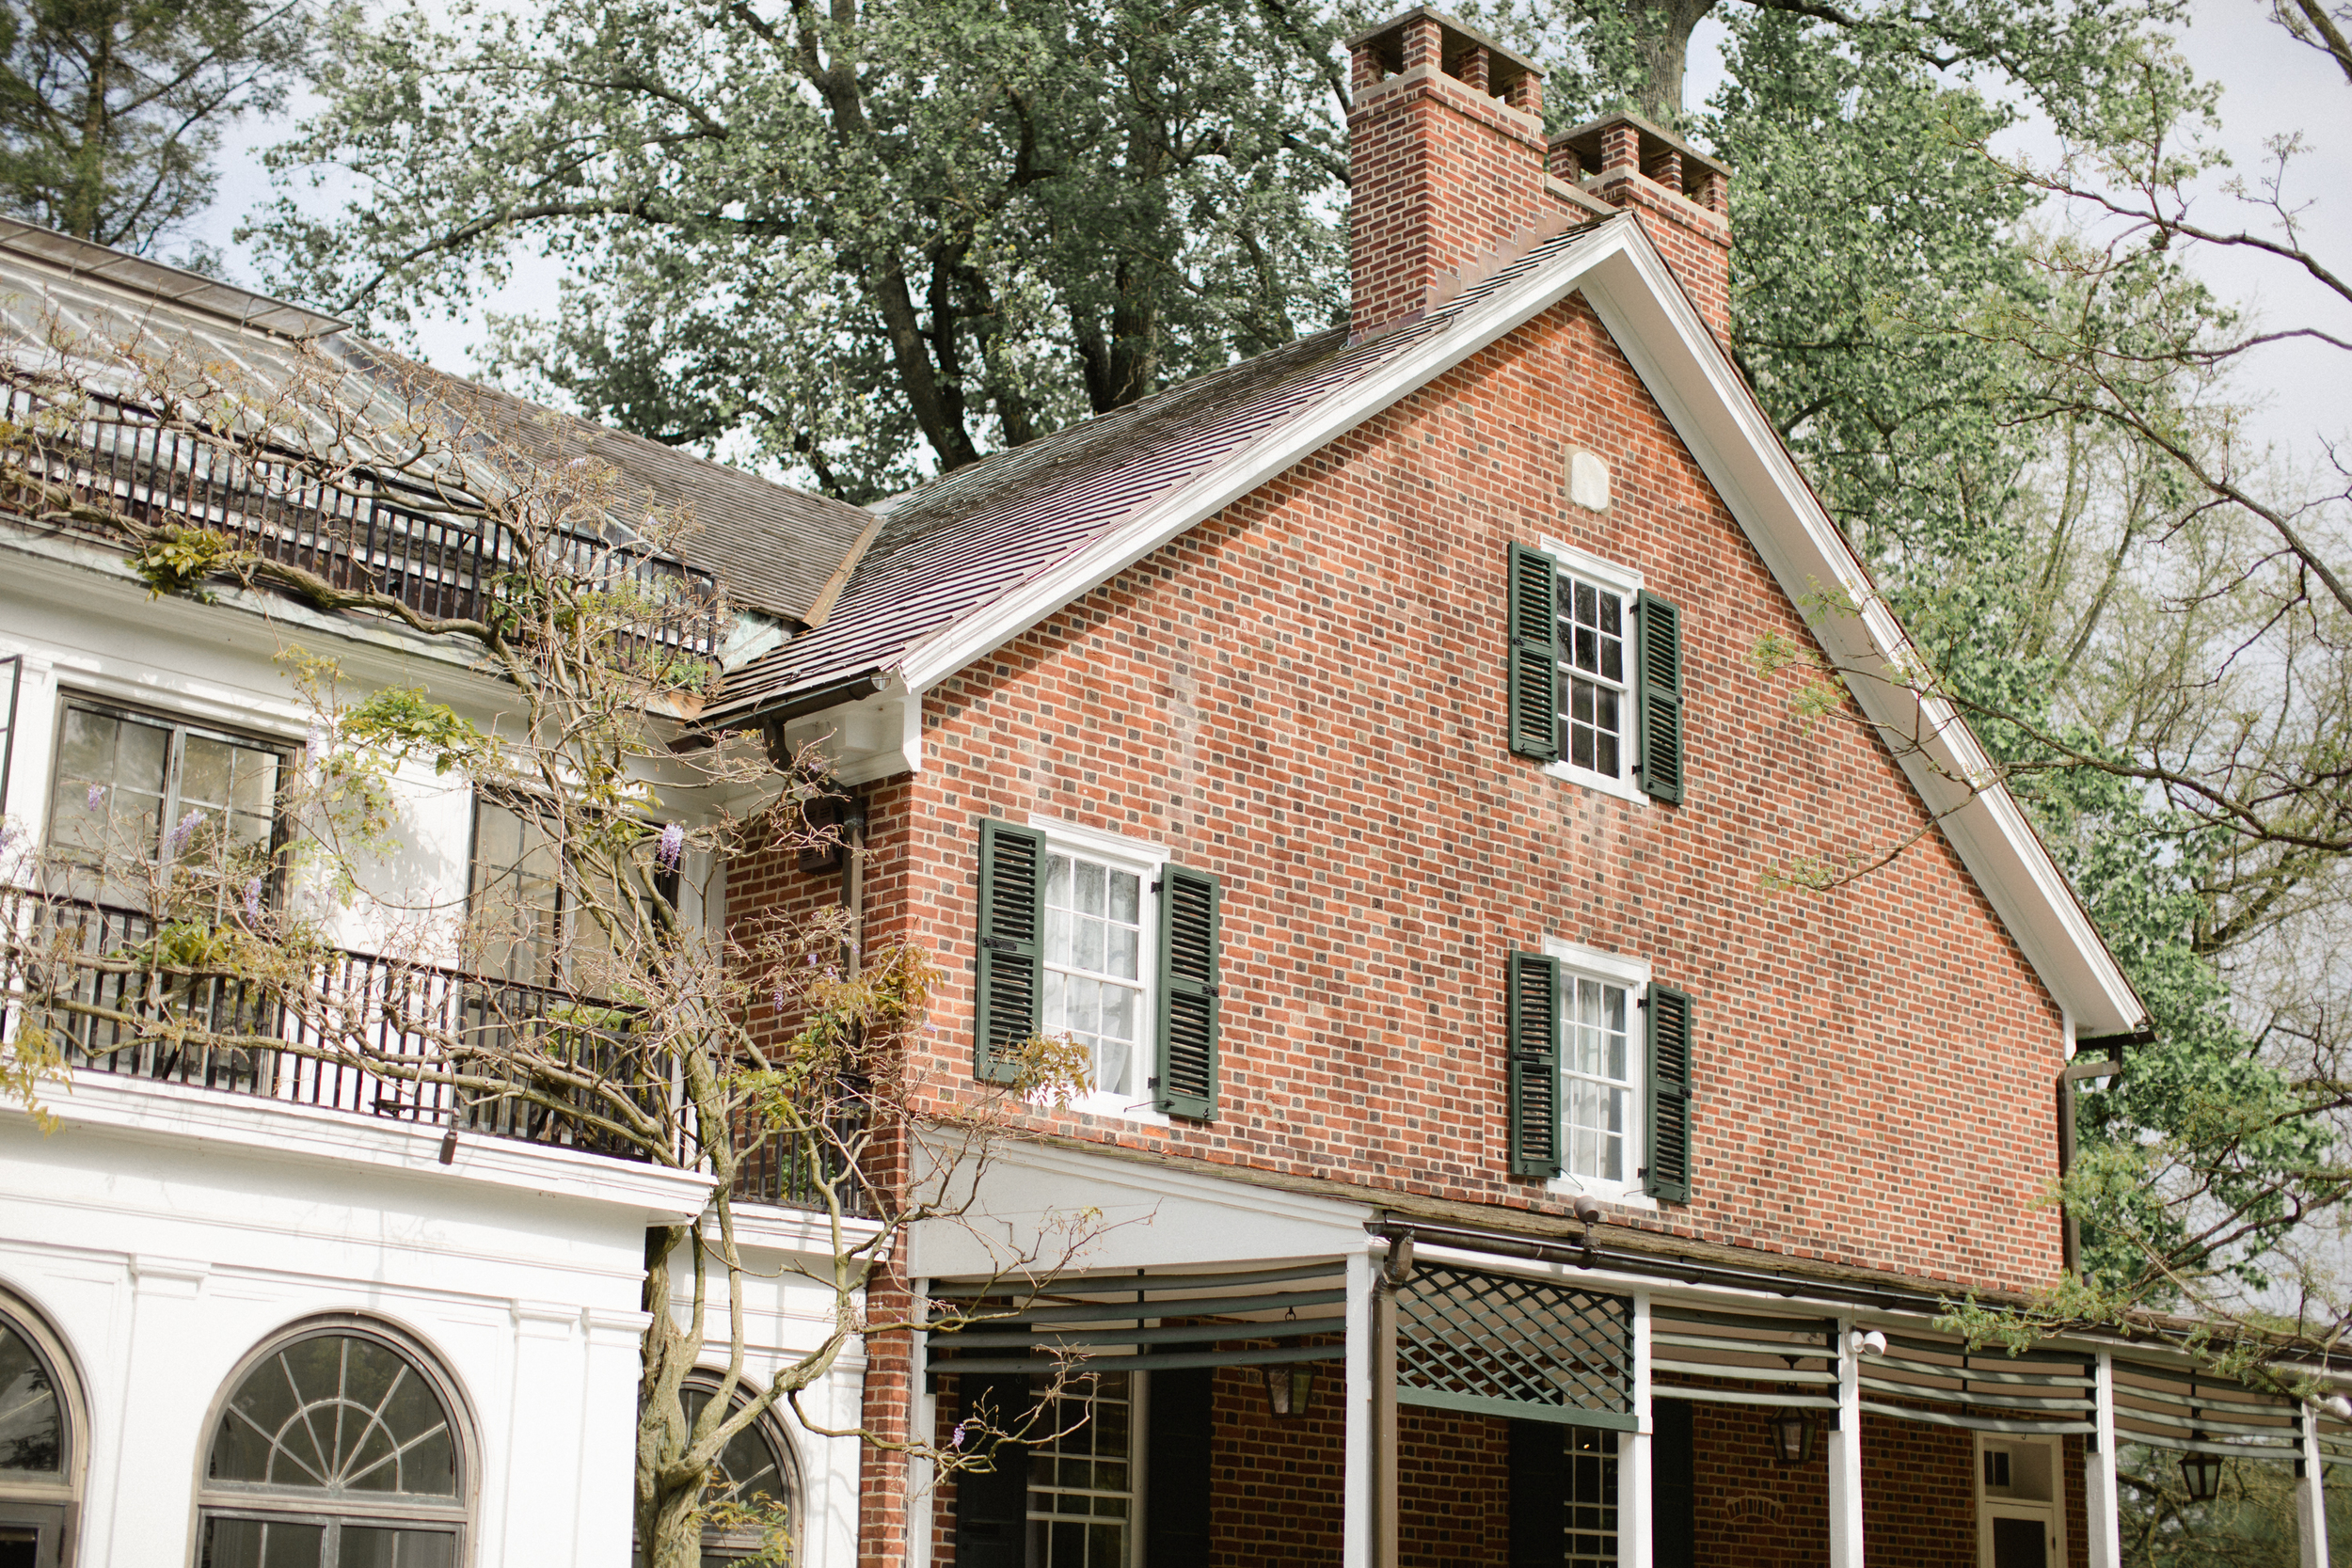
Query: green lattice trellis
{"type": "Point", "coordinates": [1526, 1348]}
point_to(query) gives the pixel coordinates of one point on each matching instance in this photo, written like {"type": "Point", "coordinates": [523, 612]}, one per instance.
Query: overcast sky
{"type": "Point", "coordinates": [2272, 86]}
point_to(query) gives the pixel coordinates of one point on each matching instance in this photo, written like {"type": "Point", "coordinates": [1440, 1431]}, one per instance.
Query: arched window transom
{"type": "Point", "coordinates": [337, 1448]}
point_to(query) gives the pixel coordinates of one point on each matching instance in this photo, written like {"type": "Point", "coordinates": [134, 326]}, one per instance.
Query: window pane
{"type": "Point", "coordinates": [375, 1546]}
{"type": "Point", "coordinates": [1126, 897]}
{"type": "Point", "coordinates": [108, 793]}
{"type": "Point", "coordinates": [32, 1425]}
{"type": "Point", "coordinates": [516, 900]}
{"type": "Point", "coordinates": [1596, 1089]}
{"type": "Point", "coordinates": [261, 1544]}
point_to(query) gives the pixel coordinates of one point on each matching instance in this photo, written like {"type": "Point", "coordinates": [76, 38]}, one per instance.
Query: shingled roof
{"type": "Point", "coordinates": [969, 539]}
{"type": "Point", "coordinates": [776, 549]}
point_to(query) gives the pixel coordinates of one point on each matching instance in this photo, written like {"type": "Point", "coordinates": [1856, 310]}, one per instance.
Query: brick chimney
{"type": "Point", "coordinates": [1446, 157]}
{"type": "Point", "coordinates": [1452, 177]}
{"type": "Point", "coordinates": [1682, 195]}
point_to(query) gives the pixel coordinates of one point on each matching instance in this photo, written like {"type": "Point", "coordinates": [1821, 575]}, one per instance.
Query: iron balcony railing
{"type": "Point", "coordinates": [392, 1011]}
{"type": "Point", "coordinates": [392, 539]}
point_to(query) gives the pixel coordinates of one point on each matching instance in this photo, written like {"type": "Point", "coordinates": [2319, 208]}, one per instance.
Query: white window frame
{"type": "Point", "coordinates": [1616, 969]}
{"type": "Point", "coordinates": [1624, 582]}
{"type": "Point", "coordinates": [1150, 861]}
{"type": "Point", "coordinates": [2050, 1511]}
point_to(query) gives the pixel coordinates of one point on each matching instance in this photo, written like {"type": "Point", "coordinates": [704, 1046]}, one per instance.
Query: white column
{"type": "Point", "coordinates": [1356, 1499]}
{"type": "Point", "coordinates": [1636, 1534]}
{"type": "Point", "coordinates": [2311, 1498]}
{"type": "Point", "coordinates": [1845, 1457]}
{"type": "Point", "coordinates": [925, 1404]}
{"type": "Point", "coordinates": [2099, 1493]}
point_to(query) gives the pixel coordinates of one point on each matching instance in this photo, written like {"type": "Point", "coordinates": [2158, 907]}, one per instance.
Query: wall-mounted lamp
{"type": "Point", "coordinates": [1290, 1390]}
{"type": "Point", "coordinates": [1867, 1341]}
{"type": "Point", "coordinates": [1793, 1437]}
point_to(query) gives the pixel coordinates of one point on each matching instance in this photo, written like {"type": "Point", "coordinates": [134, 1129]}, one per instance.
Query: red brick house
{"type": "Point", "coordinates": [1359, 752]}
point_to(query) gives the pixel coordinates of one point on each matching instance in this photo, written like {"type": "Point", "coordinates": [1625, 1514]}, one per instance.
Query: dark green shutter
{"type": "Point", "coordinates": [1667, 1032]}
{"type": "Point", "coordinates": [993, 1505]}
{"type": "Point", "coordinates": [1538, 1493]}
{"type": "Point", "coordinates": [1673, 1486]}
{"type": "Point", "coordinates": [1180, 1427]}
{"type": "Point", "coordinates": [1532, 1023]}
{"type": "Point", "coordinates": [1185, 1074]}
{"type": "Point", "coordinates": [1534, 655]}
{"type": "Point", "coordinates": [1659, 697]}
{"type": "Point", "coordinates": [1011, 982]}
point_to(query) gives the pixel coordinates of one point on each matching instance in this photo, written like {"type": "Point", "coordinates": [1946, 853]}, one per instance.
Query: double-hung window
{"type": "Point", "coordinates": [133, 790]}
{"type": "Point", "coordinates": [1595, 703]}
{"type": "Point", "coordinates": [1600, 1079]}
{"type": "Point", "coordinates": [1595, 687]}
{"type": "Point", "coordinates": [1100, 941]}
{"type": "Point", "coordinates": [1095, 993]}
{"type": "Point", "coordinates": [1598, 1070]}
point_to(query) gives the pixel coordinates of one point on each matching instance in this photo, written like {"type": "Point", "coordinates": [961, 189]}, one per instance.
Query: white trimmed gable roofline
{"type": "Point", "coordinates": [1638, 300]}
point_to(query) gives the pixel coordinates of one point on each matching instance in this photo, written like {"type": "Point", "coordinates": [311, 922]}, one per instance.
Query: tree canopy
{"type": "Point", "coordinates": [113, 111]}
{"type": "Point", "coordinates": [874, 240]}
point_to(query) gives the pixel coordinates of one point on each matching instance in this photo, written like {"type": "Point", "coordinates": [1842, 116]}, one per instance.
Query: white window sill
{"type": "Point", "coordinates": [1625, 1194]}
{"type": "Point", "coordinates": [1600, 783]}
{"type": "Point", "coordinates": [1114, 1107]}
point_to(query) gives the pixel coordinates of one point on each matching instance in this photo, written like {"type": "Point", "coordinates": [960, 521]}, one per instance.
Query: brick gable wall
{"type": "Point", "coordinates": [1304, 695]}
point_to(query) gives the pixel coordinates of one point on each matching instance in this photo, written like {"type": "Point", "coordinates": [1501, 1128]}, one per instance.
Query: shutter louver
{"type": "Point", "coordinates": [1534, 672]}
{"type": "Point", "coordinates": [1659, 696]}
{"type": "Point", "coordinates": [1668, 1032]}
{"type": "Point", "coordinates": [1188, 994]}
{"type": "Point", "coordinates": [1532, 1023]}
{"type": "Point", "coordinates": [1012, 974]}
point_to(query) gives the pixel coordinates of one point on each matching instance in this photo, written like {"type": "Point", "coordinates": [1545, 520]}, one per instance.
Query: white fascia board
{"type": "Point", "coordinates": [1646, 312]}
{"type": "Point", "coordinates": [1719, 420]}
{"type": "Point", "coordinates": [807, 1231]}
{"type": "Point", "coordinates": [308, 1135]}
{"type": "Point", "coordinates": [1253, 466]}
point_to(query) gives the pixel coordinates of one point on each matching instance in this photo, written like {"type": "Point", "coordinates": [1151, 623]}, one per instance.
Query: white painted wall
{"type": "Point", "coordinates": [165, 1232]}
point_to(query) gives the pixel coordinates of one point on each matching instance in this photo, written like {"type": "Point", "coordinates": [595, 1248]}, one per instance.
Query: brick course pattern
{"type": "Point", "coordinates": [1305, 696]}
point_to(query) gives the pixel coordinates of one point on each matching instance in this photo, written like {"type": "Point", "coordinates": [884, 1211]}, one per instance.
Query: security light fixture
{"type": "Point", "coordinates": [1291, 1389]}
{"type": "Point", "coordinates": [1793, 1437]}
{"type": "Point", "coordinates": [2202, 1472]}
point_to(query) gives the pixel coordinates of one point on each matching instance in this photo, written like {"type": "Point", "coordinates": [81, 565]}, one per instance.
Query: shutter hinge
{"type": "Point", "coordinates": [1158, 885]}
{"type": "Point", "coordinates": [1151, 1083]}
{"type": "Point", "coordinates": [1000, 945]}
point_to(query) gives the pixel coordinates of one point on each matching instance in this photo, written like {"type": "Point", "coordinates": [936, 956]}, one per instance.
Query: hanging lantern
{"type": "Point", "coordinates": [1290, 1390]}
{"type": "Point", "coordinates": [2203, 1474]}
{"type": "Point", "coordinates": [1793, 1437]}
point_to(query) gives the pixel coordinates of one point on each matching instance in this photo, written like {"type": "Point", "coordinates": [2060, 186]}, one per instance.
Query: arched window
{"type": "Point", "coordinates": [339, 1446]}
{"type": "Point", "coordinates": [40, 1441]}
{"type": "Point", "coordinates": [757, 1472]}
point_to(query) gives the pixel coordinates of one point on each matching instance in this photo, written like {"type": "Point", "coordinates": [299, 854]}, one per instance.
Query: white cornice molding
{"type": "Point", "coordinates": [276, 1131]}
{"type": "Point", "coordinates": [1653, 323]}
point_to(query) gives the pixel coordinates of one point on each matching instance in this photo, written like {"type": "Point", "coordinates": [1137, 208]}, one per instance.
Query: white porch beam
{"type": "Point", "coordinates": [1845, 1457]}
{"type": "Point", "coordinates": [2099, 1492]}
{"type": "Point", "coordinates": [2311, 1496]}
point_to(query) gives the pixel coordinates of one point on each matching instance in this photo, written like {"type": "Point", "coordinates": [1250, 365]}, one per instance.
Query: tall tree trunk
{"type": "Point", "coordinates": [1661, 42]}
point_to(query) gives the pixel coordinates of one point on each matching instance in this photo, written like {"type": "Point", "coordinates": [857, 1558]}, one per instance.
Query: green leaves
{"type": "Point", "coordinates": [403, 720]}
{"type": "Point", "coordinates": [870, 248]}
